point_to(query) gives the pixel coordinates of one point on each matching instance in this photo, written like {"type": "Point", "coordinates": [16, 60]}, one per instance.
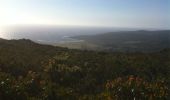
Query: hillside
{"type": "Point", "coordinates": [130, 41]}
{"type": "Point", "coordinates": [30, 71]}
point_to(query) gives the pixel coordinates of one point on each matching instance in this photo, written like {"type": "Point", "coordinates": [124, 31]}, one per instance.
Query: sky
{"type": "Point", "coordinates": [107, 13]}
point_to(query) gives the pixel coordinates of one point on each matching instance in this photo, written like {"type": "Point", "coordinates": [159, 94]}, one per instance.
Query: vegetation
{"type": "Point", "coordinates": [30, 71]}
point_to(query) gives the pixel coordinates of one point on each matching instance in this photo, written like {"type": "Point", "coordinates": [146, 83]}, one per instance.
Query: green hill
{"type": "Point", "coordinates": [30, 71]}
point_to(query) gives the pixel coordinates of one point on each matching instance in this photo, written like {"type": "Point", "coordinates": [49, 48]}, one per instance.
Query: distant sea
{"type": "Point", "coordinates": [53, 34]}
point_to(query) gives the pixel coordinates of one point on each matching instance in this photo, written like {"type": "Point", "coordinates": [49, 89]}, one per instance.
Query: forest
{"type": "Point", "coordinates": [31, 71]}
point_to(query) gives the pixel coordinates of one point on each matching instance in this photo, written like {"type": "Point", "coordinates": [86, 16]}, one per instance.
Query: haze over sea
{"type": "Point", "coordinates": [53, 34]}
{"type": "Point", "coordinates": [51, 21]}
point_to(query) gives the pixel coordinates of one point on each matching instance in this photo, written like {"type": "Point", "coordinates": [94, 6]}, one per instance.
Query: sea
{"type": "Point", "coordinates": [52, 34]}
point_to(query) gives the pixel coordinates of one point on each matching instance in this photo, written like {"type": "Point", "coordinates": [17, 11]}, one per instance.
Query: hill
{"type": "Point", "coordinates": [130, 41]}
{"type": "Point", "coordinates": [30, 71]}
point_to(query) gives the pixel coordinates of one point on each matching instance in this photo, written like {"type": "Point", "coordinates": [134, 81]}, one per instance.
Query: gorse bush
{"type": "Point", "coordinates": [136, 88]}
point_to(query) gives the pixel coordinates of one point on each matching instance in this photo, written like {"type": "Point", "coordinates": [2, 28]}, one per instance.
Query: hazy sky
{"type": "Point", "coordinates": [115, 13]}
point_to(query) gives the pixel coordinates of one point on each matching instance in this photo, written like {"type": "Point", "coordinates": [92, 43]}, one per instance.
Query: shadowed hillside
{"type": "Point", "coordinates": [30, 71]}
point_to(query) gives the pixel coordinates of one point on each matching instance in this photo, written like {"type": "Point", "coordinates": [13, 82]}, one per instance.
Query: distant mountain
{"type": "Point", "coordinates": [130, 41]}
{"type": "Point", "coordinates": [1, 39]}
